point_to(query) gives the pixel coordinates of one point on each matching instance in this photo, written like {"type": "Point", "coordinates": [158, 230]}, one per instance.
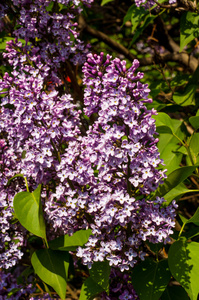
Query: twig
{"type": "Point", "coordinates": [73, 294]}
{"type": "Point", "coordinates": [102, 36]}
{"type": "Point", "coordinates": [187, 5]}
{"type": "Point", "coordinates": [194, 181]}
{"type": "Point", "coordinates": [189, 197]}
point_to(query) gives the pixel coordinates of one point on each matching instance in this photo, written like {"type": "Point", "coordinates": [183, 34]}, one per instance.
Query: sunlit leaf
{"type": "Point", "coordinates": [189, 28]}
{"type": "Point", "coordinates": [105, 2]}
{"type": "Point", "coordinates": [28, 210]}
{"type": "Point", "coordinates": [195, 218]}
{"type": "Point", "coordinates": [194, 148]}
{"type": "Point", "coordinates": [148, 19]}
{"type": "Point", "coordinates": [184, 265]}
{"type": "Point", "coordinates": [187, 97]}
{"type": "Point", "coordinates": [194, 121]}
{"type": "Point", "coordinates": [137, 15]}
{"type": "Point", "coordinates": [163, 123]}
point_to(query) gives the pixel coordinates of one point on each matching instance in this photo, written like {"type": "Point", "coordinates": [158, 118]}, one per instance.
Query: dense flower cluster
{"type": "Point", "coordinates": [11, 238]}
{"type": "Point", "coordinates": [41, 19]}
{"type": "Point", "coordinates": [110, 166]}
{"type": "Point", "coordinates": [10, 288]}
{"type": "Point", "coordinates": [96, 175]}
{"type": "Point", "coordinates": [35, 123]}
{"type": "Point", "coordinates": [36, 120]}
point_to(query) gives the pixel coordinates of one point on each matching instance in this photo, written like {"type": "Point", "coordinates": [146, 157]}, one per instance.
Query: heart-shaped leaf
{"type": "Point", "coordinates": [28, 210]}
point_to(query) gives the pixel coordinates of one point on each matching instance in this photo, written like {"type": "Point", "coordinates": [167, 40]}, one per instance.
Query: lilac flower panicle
{"type": "Point", "coordinates": [121, 147]}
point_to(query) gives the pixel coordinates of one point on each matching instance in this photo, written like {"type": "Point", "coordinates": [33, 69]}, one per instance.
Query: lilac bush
{"type": "Point", "coordinates": [97, 174]}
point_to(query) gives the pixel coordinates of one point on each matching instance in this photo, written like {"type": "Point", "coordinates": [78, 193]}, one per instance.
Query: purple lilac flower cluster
{"type": "Point", "coordinates": [10, 288]}
{"type": "Point", "coordinates": [11, 239]}
{"type": "Point", "coordinates": [36, 123]}
{"type": "Point", "coordinates": [108, 168]}
{"type": "Point", "coordinates": [36, 119]}
{"type": "Point", "coordinates": [39, 20]}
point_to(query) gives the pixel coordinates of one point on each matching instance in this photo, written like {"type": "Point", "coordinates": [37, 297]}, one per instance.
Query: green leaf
{"type": "Point", "coordinates": [100, 272]}
{"type": "Point", "coordinates": [189, 28]}
{"type": "Point", "coordinates": [163, 123]}
{"type": "Point", "coordinates": [169, 138]}
{"type": "Point", "coordinates": [184, 265]}
{"type": "Point", "coordinates": [105, 2]}
{"type": "Point", "coordinates": [195, 218]}
{"type": "Point", "coordinates": [194, 147]}
{"type": "Point", "coordinates": [157, 105]}
{"type": "Point", "coordinates": [183, 219]}
{"type": "Point", "coordinates": [194, 121]}
{"type": "Point", "coordinates": [174, 179]}
{"type": "Point", "coordinates": [187, 97]}
{"type": "Point", "coordinates": [148, 19]}
{"type": "Point", "coordinates": [168, 144]}
{"type": "Point", "coordinates": [52, 267]}
{"type": "Point", "coordinates": [137, 14]}
{"type": "Point", "coordinates": [4, 40]}
{"type": "Point", "coordinates": [127, 17]}
{"type": "Point", "coordinates": [174, 293]}
{"type": "Point", "coordinates": [177, 193]}
{"type": "Point", "coordinates": [170, 155]}
{"type": "Point", "coordinates": [70, 243]}
{"type": "Point", "coordinates": [90, 289]}
{"type": "Point", "coordinates": [191, 233]}
{"type": "Point", "coordinates": [50, 6]}
{"type": "Point", "coordinates": [28, 210]}
{"type": "Point", "coordinates": [150, 279]}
